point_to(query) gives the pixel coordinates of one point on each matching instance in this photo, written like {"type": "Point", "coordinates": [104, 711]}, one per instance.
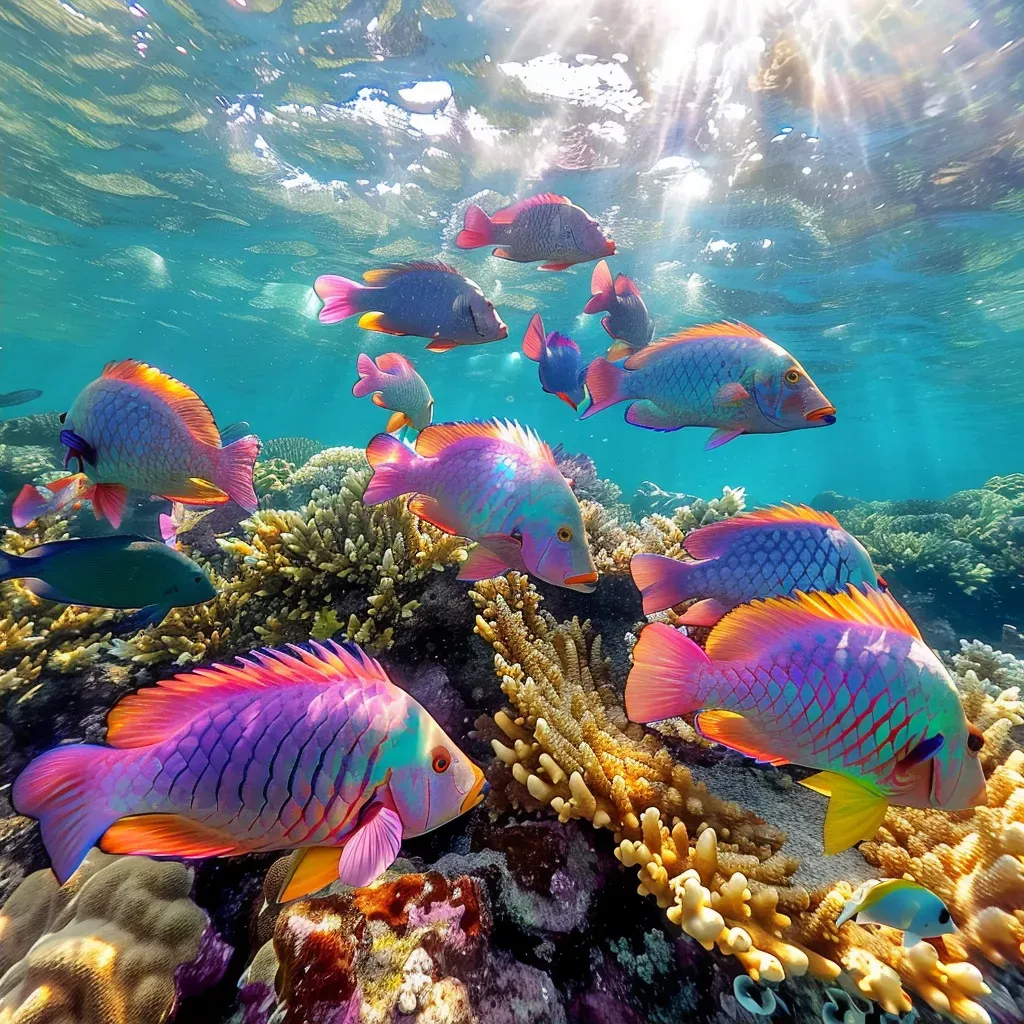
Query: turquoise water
{"type": "Point", "coordinates": [843, 176]}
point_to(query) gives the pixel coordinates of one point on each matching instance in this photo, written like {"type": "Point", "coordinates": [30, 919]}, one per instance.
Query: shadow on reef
{"type": "Point", "coordinates": [526, 910]}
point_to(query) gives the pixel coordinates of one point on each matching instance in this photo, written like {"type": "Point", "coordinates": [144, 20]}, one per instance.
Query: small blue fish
{"type": "Point", "coordinates": [561, 369]}
{"type": "Point", "coordinates": [902, 904]}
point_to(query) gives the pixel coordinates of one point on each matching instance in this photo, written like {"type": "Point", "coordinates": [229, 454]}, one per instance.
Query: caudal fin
{"type": "Point", "coordinates": [392, 463]}
{"type": "Point", "coordinates": [665, 679]}
{"type": "Point", "coordinates": [662, 582]}
{"type": "Point", "coordinates": [340, 297]}
{"type": "Point", "coordinates": [477, 229]}
{"type": "Point", "coordinates": [533, 340]}
{"type": "Point", "coordinates": [602, 289]}
{"type": "Point", "coordinates": [59, 789]}
{"type": "Point", "coordinates": [369, 376]}
{"type": "Point", "coordinates": [606, 384]}
{"type": "Point", "coordinates": [234, 471]}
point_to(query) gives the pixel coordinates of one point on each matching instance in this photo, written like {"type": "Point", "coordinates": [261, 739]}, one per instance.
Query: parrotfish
{"type": "Point", "coordinates": [899, 903]}
{"type": "Point", "coordinates": [310, 750]}
{"type": "Point", "coordinates": [768, 553]}
{"type": "Point", "coordinates": [429, 300]}
{"type": "Point", "coordinates": [724, 375]}
{"type": "Point", "coordinates": [496, 483]}
{"type": "Point", "coordinates": [135, 426]}
{"type": "Point", "coordinates": [838, 682]}
{"type": "Point", "coordinates": [561, 368]}
{"type": "Point", "coordinates": [180, 521]}
{"type": "Point", "coordinates": [394, 384]}
{"type": "Point", "coordinates": [627, 321]}
{"type": "Point", "coordinates": [111, 572]}
{"type": "Point", "coordinates": [35, 500]}
{"type": "Point", "coordinates": [19, 397]}
{"type": "Point", "coordinates": [545, 227]}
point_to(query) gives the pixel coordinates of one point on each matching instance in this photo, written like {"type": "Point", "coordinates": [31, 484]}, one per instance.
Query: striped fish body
{"type": "Point", "coordinates": [394, 384]}
{"type": "Point", "coordinates": [139, 440]}
{"type": "Point", "coordinates": [308, 750]}
{"type": "Point", "coordinates": [767, 553]}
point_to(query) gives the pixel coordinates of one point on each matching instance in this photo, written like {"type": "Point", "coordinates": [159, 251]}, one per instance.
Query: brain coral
{"type": "Point", "coordinates": [115, 945]}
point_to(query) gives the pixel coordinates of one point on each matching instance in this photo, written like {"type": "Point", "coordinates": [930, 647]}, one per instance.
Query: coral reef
{"type": "Point", "coordinates": [120, 943]}
{"type": "Point", "coordinates": [296, 450]}
{"type": "Point", "coordinates": [326, 469]}
{"type": "Point", "coordinates": [581, 471]}
{"type": "Point", "coordinates": [271, 478]}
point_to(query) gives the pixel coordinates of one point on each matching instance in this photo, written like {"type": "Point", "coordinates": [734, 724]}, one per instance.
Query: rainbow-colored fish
{"type": "Point", "coordinates": [137, 427]}
{"type": "Point", "coordinates": [309, 750]}
{"type": "Point", "coordinates": [767, 553]}
{"type": "Point", "coordinates": [838, 682]}
{"type": "Point", "coordinates": [393, 383]}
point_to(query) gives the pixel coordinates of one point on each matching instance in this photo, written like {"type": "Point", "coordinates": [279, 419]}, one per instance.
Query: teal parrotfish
{"type": "Point", "coordinates": [725, 375]}
{"type": "Point", "coordinates": [766, 553]}
{"type": "Point", "coordinates": [544, 227]}
{"type": "Point", "coordinates": [838, 682]}
{"type": "Point", "coordinates": [393, 384]}
{"type": "Point", "coordinates": [311, 750]}
{"type": "Point", "coordinates": [496, 483]}
{"type": "Point", "coordinates": [137, 427]}
{"type": "Point", "coordinates": [560, 365]}
{"type": "Point", "coordinates": [626, 319]}
{"type": "Point", "coordinates": [111, 572]}
{"type": "Point", "coordinates": [899, 903]}
{"type": "Point", "coordinates": [426, 299]}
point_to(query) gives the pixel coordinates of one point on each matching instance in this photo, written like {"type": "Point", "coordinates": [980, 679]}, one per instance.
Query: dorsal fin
{"type": "Point", "coordinates": [721, 329]}
{"type": "Point", "coordinates": [393, 362]}
{"type": "Point", "coordinates": [556, 340]}
{"type": "Point", "coordinates": [385, 275]}
{"type": "Point", "coordinates": [747, 630]}
{"type": "Point", "coordinates": [434, 439]}
{"type": "Point", "coordinates": [180, 397]}
{"type": "Point", "coordinates": [159, 711]}
{"type": "Point", "coordinates": [510, 213]}
{"type": "Point", "coordinates": [713, 540]}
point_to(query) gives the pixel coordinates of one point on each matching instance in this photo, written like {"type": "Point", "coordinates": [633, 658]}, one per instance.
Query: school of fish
{"type": "Point", "coordinates": [809, 660]}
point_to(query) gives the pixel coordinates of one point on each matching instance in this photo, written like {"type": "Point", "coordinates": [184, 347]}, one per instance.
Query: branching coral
{"type": "Point", "coordinates": [296, 450]}
{"type": "Point", "coordinates": [327, 469]}
{"type": "Point", "coordinates": [118, 944]}
{"type": "Point", "coordinates": [271, 478]}
{"type": "Point", "coordinates": [291, 565]}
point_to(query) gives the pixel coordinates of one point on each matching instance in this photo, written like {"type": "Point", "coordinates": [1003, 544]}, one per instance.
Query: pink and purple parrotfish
{"type": "Point", "coordinates": [137, 427]}
{"type": "Point", "coordinates": [313, 750]}
{"type": "Point", "coordinates": [428, 300]}
{"type": "Point", "coordinates": [724, 375]}
{"type": "Point", "coordinates": [393, 384]}
{"type": "Point", "coordinates": [626, 319]}
{"type": "Point", "coordinates": [561, 370]}
{"type": "Point", "coordinates": [545, 228]}
{"type": "Point", "coordinates": [842, 683]}
{"type": "Point", "coordinates": [768, 553]}
{"type": "Point", "coordinates": [496, 483]}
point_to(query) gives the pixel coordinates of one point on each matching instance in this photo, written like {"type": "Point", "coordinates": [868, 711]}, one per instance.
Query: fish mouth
{"type": "Point", "coordinates": [586, 581]}
{"type": "Point", "coordinates": [609, 248]}
{"type": "Point", "coordinates": [480, 789]}
{"type": "Point", "coordinates": [502, 332]}
{"type": "Point", "coordinates": [826, 414]}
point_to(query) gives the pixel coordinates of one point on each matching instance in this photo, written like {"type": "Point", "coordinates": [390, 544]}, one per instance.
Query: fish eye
{"type": "Point", "coordinates": [975, 739]}
{"type": "Point", "coordinates": [198, 578]}
{"type": "Point", "coordinates": [441, 760]}
{"type": "Point", "coordinates": [943, 916]}
{"type": "Point", "coordinates": [792, 376]}
{"type": "Point", "coordinates": [564, 534]}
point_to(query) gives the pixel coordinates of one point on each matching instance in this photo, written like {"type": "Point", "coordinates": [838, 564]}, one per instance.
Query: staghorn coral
{"type": "Point", "coordinates": [120, 943]}
{"type": "Point", "coordinates": [291, 565]}
{"type": "Point", "coordinates": [327, 469]}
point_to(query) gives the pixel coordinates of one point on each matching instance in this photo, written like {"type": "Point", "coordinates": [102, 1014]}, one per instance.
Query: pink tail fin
{"type": "Point", "coordinates": [393, 464]}
{"type": "Point", "coordinates": [340, 297]}
{"type": "Point", "coordinates": [234, 471]}
{"type": "Point", "coordinates": [60, 790]}
{"type": "Point", "coordinates": [665, 679]}
{"type": "Point", "coordinates": [606, 384]}
{"type": "Point", "coordinates": [533, 340]}
{"type": "Point", "coordinates": [477, 229]}
{"type": "Point", "coordinates": [369, 376]}
{"type": "Point", "coordinates": [662, 582]}
{"type": "Point", "coordinates": [602, 289]}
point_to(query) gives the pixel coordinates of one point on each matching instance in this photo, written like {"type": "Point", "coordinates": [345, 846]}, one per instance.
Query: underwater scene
{"type": "Point", "coordinates": [511, 511]}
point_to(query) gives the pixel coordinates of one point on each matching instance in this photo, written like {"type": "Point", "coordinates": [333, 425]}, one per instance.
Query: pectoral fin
{"type": "Point", "coordinates": [397, 421]}
{"type": "Point", "coordinates": [854, 811]}
{"type": "Point", "coordinates": [310, 870]}
{"type": "Point", "coordinates": [482, 564]}
{"type": "Point", "coordinates": [731, 394]}
{"type": "Point", "coordinates": [379, 322]}
{"type": "Point", "coordinates": [720, 437]}
{"type": "Point", "coordinates": [372, 848]}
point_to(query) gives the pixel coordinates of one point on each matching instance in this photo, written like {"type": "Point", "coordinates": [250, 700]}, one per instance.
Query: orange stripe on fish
{"type": "Point", "coordinates": [168, 835]}
{"type": "Point", "coordinates": [723, 328]}
{"type": "Point", "coordinates": [192, 410]}
{"type": "Point", "coordinates": [434, 439]}
{"type": "Point", "coordinates": [748, 629]}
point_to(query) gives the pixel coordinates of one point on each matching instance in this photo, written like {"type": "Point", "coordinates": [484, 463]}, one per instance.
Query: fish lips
{"type": "Point", "coordinates": [480, 789]}
{"type": "Point", "coordinates": [826, 415]}
{"type": "Point", "coordinates": [584, 582]}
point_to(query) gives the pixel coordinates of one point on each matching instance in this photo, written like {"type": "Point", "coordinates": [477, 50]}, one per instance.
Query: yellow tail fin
{"type": "Point", "coordinates": [854, 811]}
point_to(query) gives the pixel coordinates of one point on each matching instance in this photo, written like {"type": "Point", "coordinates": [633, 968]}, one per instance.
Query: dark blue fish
{"type": "Point", "coordinates": [561, 369]}
{"type": "Point", "coordinates": [19, 397]}
{"type": "Point", "coordinates": [628, 321]}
